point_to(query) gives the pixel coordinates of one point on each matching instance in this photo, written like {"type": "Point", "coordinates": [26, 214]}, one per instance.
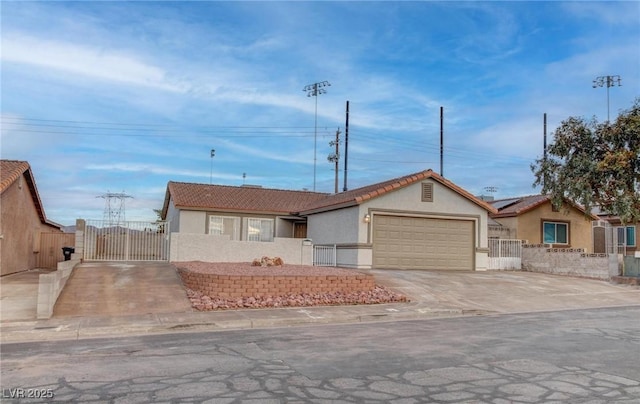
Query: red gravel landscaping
{"type": "Point", "coordinates": [223, 285]}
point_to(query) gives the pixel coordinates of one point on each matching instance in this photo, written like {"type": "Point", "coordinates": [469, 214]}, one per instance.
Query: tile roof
{"type": "Point", "coordinates": [517, 206]}
{"type": "Point", "coordinates": [511, 207]}
{"type": "Point", "coordinates": [231, 198]}
{"type": "Point", "coordinates": [10, 172]}
{"type": "Point", "coordinates": [277, 201]}
{"type": "Point", "coordinates": [360, 195]}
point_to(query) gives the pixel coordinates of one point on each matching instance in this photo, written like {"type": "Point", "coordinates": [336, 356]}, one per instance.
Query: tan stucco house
{"type": "Point", "coordinates": [416, 221]}
{"type": "Point", "coordinates": [626, 234]}
{"type": "Point", "coordinates": [534, 219]}
{"type": "Point", "coordinates": [22, 218]}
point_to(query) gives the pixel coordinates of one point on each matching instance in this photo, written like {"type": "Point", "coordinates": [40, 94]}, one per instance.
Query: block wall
{"type": "Point", "coordinates": [233, 286]}
{"type": "Point", "coordinates": [568, 261]}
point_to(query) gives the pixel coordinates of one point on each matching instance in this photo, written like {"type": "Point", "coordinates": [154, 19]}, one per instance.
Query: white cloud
{"type": "Point", "coordinates": [157, 170]}
{"type": "Point", "coordinates": [100, 63]}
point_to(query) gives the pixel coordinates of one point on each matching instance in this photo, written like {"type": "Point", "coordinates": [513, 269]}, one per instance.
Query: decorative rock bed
{"type": "Point", "coordinates": [216, 286]}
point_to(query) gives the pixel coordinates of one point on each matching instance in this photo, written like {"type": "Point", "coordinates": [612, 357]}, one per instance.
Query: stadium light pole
{"type": "Point", "coordinates": [314, 90]}
{"type": "Point", "coordinates": [608, 81]}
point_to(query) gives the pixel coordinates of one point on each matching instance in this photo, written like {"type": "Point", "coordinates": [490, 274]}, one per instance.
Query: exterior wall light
{"type": "Point", "coordinates": [367, 218]}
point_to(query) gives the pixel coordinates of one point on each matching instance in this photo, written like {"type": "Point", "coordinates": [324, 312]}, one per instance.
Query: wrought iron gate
{"type": "Point", "coordinates": [505, 254]}
{"type": "Point", "coordinates": [126, 241]}
{"type": "Point", "coordinates": [324, 255]}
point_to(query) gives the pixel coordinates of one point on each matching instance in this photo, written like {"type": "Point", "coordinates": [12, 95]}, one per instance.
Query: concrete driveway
{"type": "Point", "coordinates": [122, 288]}
{"type": "Point", "coordinates": [114, 290]}
{"type": "Point", "coordinates": [505, 291]}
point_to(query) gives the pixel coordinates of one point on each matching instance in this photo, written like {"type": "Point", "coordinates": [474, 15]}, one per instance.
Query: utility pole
{"type": "Point", "coordinates": [608, 81]}
{"type": "Point", "coordinates": [544, 149]}
{"type": "Point", "coordinates": [213, 153]}
{"type": "Point", "coordinates": [441, 141]}
{"type": "Point", "coordinates": [335, 157]}
{"type": "Point", "coordinates": [313, 90]}
{"type": "Point", "coordinates": [346, 147]}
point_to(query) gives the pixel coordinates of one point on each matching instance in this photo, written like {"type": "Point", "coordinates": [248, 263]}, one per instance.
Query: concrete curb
{"type": "Point", "coordinates": [97, 327]}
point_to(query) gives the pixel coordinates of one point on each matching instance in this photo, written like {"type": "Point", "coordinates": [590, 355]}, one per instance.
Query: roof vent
{"type": "Point", "coordinates": [251, 186]}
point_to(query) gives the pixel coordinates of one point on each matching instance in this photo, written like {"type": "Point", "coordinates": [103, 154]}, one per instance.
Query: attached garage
{"type": "Point", "coordinates": [402, 242]}
{"type": "Point", "coordinates": [419, 221]}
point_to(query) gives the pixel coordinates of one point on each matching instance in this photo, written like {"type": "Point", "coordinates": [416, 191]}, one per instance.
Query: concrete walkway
{"type": "Point", "coordinates": [19, 295]}
{"type": "Point", "coordinates": [139, 299]}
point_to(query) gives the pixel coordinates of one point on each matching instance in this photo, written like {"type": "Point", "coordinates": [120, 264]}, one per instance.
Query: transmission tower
{"type": "Point", "coordinates": [114, 208]}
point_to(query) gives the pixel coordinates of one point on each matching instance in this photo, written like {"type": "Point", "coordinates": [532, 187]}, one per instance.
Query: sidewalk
{"type": "Point", "coordinates": [432, 294]}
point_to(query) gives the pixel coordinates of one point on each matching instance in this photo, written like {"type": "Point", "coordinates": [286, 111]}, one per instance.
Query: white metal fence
{"type": "Point", "coordinates": [126, 241]}
{"type": "Point", "coordinates": [505, 254]}
{"type": "Point", "coordinates": [324, 255]}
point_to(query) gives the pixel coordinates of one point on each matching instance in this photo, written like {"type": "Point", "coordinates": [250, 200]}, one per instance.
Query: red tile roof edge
{"type": "Point", "coordinates": [16, 172]}
{"type": "Point", "coordinates": [24, 168]}
{"type": "Point", "coordinates": [527, 208]}
{"type": "Point", "coordinates": [395, 184]}
{"type": "Point", "coordinates": [171, 191]}
{"type": "Point", "coordinates": [344, 199]}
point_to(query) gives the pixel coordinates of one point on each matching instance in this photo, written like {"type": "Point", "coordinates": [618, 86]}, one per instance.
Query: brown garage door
{"type": "Point", "coordinates": [421, 243]}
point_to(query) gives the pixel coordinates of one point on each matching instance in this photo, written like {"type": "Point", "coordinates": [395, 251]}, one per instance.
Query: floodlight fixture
{"type": "Point", "coordinates": [607, 81]}
{"type": "Point", "coordinates": [314, 90]}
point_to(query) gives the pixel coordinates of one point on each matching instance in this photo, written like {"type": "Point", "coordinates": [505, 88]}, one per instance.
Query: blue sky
{"type": "Point", "coordinates": [123, 97]}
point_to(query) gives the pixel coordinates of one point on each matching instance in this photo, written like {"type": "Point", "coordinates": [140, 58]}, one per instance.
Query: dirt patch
{"type": "Point", "coordinates": [258, 299]}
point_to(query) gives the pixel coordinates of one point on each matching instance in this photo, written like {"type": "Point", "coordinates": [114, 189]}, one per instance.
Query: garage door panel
{"type": "Point", "coordinates": [422, 243]}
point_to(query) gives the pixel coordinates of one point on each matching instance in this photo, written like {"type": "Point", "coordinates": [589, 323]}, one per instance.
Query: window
{"type": "Point", "coordinates": [259, 229]}
{"type": "Point", "coordinates": [223, 226]}
{"type": "Point", "coordinates": [555, 233]}
{"type": "Point", "coordinates": [631, 236]}
{"type": "Point", "coordinates": [427, 192]}
{"type": "Point", "coordinates": [627, 236]}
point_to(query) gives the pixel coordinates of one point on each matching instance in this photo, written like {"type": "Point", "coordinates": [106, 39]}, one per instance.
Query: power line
{"type": "Point", "coordinates": [180, 135]}
{"type": "Point", "coordinates": [27, 125]}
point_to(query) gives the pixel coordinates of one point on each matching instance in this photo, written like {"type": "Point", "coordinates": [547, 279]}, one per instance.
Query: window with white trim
{"type": "Point", "coordinates": [555, 233]}
{"type": "Point", "coordinates": [259, 229]}
{"type": "Point", "coordinates": [224, 226]}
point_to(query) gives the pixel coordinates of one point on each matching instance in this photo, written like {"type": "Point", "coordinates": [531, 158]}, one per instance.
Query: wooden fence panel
{"type": "Point", "coordinates": [51, 248]}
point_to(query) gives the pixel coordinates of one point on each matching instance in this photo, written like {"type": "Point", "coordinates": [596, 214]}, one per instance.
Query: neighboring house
{"type": "Point", "coordinates": [626, 234]}
{"type": "Point", "coordinates": [534, 219]}
{"type": "Point", "coordinates": [417, 221]}
{"type": "Point", "coordinates": [22, 218]}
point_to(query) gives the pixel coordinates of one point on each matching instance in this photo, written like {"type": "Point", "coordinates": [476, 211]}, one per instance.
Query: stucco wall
{"type": "Point", "coordinates": [509, 223]}
{"type": "Point", "coordinates": [334, 227]}
{"type": "Point", "coordinates": [530, 226]}
{"type": "Point", "coordinates": [208, 248]}
{"type": "Point", "coordinates": [192, 221]}
{"type": "Point", "coordinates": [20, 227]}
{"type": "Point", "coordinates": [173, 216]}
{"type": "Point", "coordinates": [354, 256]}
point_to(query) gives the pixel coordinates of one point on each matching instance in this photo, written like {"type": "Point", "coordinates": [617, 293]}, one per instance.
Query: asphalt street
{"type": "Point", "coordinates": [571, 356]}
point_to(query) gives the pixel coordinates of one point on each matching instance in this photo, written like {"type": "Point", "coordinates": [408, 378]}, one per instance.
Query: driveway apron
{"type": "Point", "coordinates": [122, 288]}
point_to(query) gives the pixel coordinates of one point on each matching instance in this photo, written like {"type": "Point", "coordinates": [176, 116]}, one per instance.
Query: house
{"type": "Point", "coordinates": [22, 218]}
{"type": "Point", "coordinates": [247, 213]}
{"type": "Point", "coordinates": [416, 221]}
{"type": "Point", "coordinates": [625, 234]}
{"type": "Point", "coordinates": [533, 218]}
